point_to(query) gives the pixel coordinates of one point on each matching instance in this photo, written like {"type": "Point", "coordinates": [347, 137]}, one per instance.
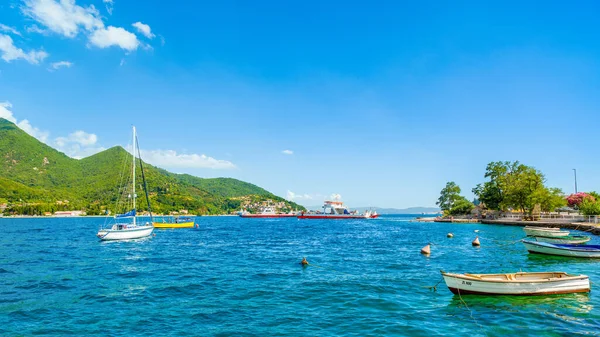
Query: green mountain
{"type": "Point", "coordinates": [35, 178]}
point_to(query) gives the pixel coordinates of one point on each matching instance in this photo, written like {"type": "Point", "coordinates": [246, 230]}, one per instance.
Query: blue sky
{"type": "Point", "coordinates": [381, 102]}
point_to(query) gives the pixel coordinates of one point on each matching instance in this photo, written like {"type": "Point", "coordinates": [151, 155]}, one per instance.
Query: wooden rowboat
{"type": "Point", "coordinates": [571, 239]}
{"type": "Point", "coordinates": [521, 284]}
{"type": "Point", "coordinates": [587, 251]}
{"type": "Point", "coordinates": [545, 232]}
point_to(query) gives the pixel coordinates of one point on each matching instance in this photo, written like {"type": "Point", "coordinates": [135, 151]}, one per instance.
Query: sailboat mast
{"type": "Point", "coordinates": [133, 174]}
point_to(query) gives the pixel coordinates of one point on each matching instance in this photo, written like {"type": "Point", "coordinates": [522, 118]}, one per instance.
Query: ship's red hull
{"type": "Point", "coordinates": [336, 217]}
{"type": "Point", "coordinates": [268, 216]}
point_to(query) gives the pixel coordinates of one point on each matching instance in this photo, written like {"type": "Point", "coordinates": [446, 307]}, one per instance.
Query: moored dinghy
{"type": "Point", "coordinates": [587, 251]}
{"type": "Point", "coordinates": [545, 231]}
{"type": "Point", "coordinates": [521, 284]}
{"type": "Point", "coordinates": [571, 239]}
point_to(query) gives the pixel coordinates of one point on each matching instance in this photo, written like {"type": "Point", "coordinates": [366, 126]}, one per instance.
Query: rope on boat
{"type": "Point", "coordinates": [434, 287]}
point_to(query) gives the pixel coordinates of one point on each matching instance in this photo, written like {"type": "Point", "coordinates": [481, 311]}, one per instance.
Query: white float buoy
{"type": "Point", "coordinates": [475, 242]}
{"type": "Point", "coordinates": [450, 235]}
{"type": "Point", "coordinates": [476, 231]}
{"type": "Point", "coordinates": [426, 250]}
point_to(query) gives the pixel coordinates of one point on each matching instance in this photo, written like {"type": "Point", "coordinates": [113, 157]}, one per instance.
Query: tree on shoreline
{"type": "Point", "coordinates": [513, 185]}
{"type": "Point", "coordinates": [451, 202]}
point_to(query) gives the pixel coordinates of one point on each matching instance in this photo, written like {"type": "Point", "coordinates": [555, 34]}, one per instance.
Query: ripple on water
{"type": "Point", "coordinates": [240, 277]}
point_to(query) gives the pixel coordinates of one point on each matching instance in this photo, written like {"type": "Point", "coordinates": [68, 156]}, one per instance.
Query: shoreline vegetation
{"type": "Point", "coordinates": [36, 179]}
{"type": "Point", "coordinates": [516, 194]}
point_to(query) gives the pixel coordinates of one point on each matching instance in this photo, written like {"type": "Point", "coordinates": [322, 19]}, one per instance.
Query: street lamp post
{"type": "Point", "coordinates": [575, 173]}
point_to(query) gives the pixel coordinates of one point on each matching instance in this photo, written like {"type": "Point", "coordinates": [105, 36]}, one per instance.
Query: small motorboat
{"type": "Point", "coordinates": [586, 251]}
{"type": "Point", "coordinates": [545, 232]}
{"type": "Point", "coordinates": [571, 239]}
{"type": "Point", "coordinates": [521, 283]}
{"type": "Point", "coordinates": [179, 222]}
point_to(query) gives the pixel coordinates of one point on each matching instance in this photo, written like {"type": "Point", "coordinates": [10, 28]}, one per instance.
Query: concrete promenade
{"type": "Point", "coordinates": [581, 226]}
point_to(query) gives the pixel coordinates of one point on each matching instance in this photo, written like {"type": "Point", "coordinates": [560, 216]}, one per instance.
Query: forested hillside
{"type": "Point", "coordinates": [35, 178]}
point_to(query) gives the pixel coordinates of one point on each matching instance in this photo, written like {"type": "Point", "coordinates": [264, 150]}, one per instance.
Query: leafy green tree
{"type": "Point", "coordinates": [518, 186]}
{"type": "Point", "coordinates": [461, 206]}
{"type": "Point", "coordinates": [551, 198]}
{"type": "Point", "coordinates": [590, 207]}
{"type": "Point", "coordinates": [448, 196]}
{"type": "Point", "coordinates": [491, 193]}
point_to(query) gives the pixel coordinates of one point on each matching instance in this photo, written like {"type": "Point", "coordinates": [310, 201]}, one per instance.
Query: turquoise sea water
{"type": "Point", "coordinates": [241, 277]}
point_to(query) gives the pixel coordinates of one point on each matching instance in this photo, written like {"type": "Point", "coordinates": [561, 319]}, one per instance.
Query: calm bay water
{"type": "Point", "coordinates": [238, 277]}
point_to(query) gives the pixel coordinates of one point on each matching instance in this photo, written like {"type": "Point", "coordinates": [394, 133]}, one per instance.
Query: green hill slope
{"type": "Point", "coordinates": [35, 178]}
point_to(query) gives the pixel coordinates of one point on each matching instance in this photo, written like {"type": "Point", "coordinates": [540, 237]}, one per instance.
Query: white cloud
{"type": "Point", "coordinates": [78, 144]}
{"type": "Point", "coordinates": [144, 29]}
{"type": "Point", "coordinates": [293, 196]}
{"type": "Point", "coordinates": [114, 36]}
{"type": "Point", "coordinates": [10, 52]}
{"type": "Point", "coordinates": [61, 64]}
{"type": "Point", "coordinates": [77, 137]}
{"type": "Point", "coordinates": [122, 62]}
{"type": "Point", "coordinates": [6, 113]}
{"type": "Point", "coordinates": [64, 17]}
{"type": "Point", "coordinates": [9, 29]}
{"type": "Point", "coordinates": [109, 6]}
{"type": "Point", "coordinates": [36, 29]}
{"type": "Point", "coordinates": [68, 19]}
{"type": "Point", "coordinates": [288, 152]}
{"type": "Point", "coordinates": [78, 151]}
{"type": "Point", "coordinates": [171, 159]}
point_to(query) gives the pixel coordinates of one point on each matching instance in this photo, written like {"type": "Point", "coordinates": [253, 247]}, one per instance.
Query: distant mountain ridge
{"type": "Point", "coordinates": [36, 178]}
{"type": "Point", "coordinates": [381, 210]}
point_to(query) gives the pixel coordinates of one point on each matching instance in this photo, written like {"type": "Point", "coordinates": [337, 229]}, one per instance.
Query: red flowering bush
{"type": "Point", "coordinates": [576, 199]}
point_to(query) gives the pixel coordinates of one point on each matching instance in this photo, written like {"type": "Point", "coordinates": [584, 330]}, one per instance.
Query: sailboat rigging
{"type": "Point", "coordinates": [130, 230]}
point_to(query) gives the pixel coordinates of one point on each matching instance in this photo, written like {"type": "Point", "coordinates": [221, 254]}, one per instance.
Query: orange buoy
{"type": "Point", "coordinates": [304, 262]}
{"type": "Point", "coordinates": [426, 250]}
{"type": "Point", "coordinates": [475, 242]}
{"type": "Point", "coordinates": [450, 235]}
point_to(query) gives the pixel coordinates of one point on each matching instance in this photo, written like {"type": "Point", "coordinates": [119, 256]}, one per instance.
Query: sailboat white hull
{"type": "Point", "coordinates": [133, 232]}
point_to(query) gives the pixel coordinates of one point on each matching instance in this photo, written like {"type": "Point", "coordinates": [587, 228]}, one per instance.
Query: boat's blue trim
{"type": "Point", "coordinates": [566, 246]}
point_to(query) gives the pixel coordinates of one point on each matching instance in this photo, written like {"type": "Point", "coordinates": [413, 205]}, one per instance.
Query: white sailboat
{"type": "Point", "coordinates": [130, 229]}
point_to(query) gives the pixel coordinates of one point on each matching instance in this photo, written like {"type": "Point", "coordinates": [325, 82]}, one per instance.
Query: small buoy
{"type": "Point", "coordinates": [304, 262]}
{"type": "Point", "coordinates": [476, 231]}
{"type": "Point", "coordinates": [426, 250]}
{"type": "Point", "coordinates": [476, 242]}
{"type": "Point", "coordinates": [450, 235]}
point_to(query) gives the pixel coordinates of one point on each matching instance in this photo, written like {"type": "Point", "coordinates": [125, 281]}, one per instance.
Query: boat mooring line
{"type": "Point", "coordinates": [434, 287]}
{"type": "Point", "coordinates": [471, 314]}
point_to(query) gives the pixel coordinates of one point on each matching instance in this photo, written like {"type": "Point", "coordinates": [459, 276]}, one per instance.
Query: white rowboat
{"type": "Point", "coordinates": [572, 240]}
{"type": "Point", "coordinates": [545, 232]}
{"type": "Point", "coordinates": [587, 251]}
{"type": "Point", "coordinates": [522, 284]}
